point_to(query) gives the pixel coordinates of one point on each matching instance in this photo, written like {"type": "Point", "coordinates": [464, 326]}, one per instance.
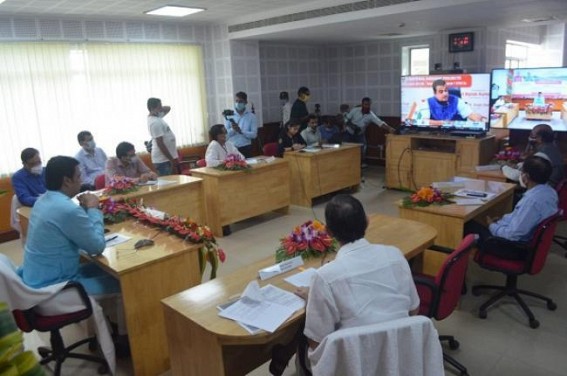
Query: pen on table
{"type": "Point", "coordinates": [111, 238]}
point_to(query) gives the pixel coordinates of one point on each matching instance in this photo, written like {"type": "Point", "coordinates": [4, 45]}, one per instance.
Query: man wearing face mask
{"type": "Point", "coordinates": [299, 109]}
{"type": "Point", "coordinates": [539, 202]}
{"type": "Point", "coordinates": [541, 140]}
{"type": "Point", "coordinates": [92, 160]}
{"type": "Point", "coordinates": [164, 148]}
{"type": "Point", "coordinates": [242, 127]}
{"type": "Point", "coordinates": [127, 164]}
{"type": "Point", "coordinates": [29, 182]}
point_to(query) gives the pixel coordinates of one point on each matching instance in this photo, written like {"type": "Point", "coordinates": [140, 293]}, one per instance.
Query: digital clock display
{"type": "Point", "coordinates": [461, 42]}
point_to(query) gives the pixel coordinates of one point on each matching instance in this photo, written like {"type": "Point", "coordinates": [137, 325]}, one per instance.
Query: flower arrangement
{"type": "Point", "coordinates": [509, 154]}
{"type": "Point", "coordinates": [121, 185]}
{"type": "Point", "coordinates": [426, 196]}
{"type": "Point", "coordinates": [185, 228]}
{"type": "Point", "coordinates": [310, 239]}
{"type": "Point", "coordinates": [233, 162]}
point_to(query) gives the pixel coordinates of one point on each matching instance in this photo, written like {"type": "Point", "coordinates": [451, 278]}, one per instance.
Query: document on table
{"type": "Point", "coordinates": [149, 182]}
{"type": "Point", "coordinates": [301, 279]}
{"type": "Point", "coordinates": [162, 182]}
{"type": "Point", "coordinates": [266, 308]}
{"type": "Point", "coordinates": [474, 194]}
{"type": "Point", "coordinates": [113, 239]}
{"type": "Point", "coordinates": [469, 201]}
{"type": "Point", "coordinates": [311, 150]}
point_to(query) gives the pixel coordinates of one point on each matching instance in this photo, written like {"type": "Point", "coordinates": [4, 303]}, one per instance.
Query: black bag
{"type": "Point", "coordinates": [148, 145]}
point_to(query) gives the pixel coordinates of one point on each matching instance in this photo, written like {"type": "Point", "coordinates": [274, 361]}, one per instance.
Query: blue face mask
{"type": "Point", "coordinates": [239, 106]}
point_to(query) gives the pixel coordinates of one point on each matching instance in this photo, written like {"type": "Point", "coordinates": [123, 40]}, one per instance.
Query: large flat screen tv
{"type": "Point", "coordinates": [461, 104]}
{"type": "Point", "coordinates": [524, 97]}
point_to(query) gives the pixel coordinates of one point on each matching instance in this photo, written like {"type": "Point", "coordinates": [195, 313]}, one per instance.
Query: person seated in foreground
{"type": "Point", "coordinates": [59, 228]}
{"type": "Point", "coordinates": [127, 164]}
{"type": "Point", "coordinates": [29, 181]}
{"type": "Point", "coordinates": [365, 284]}
{"type": "Point", "coordinates": [92, 160]}
{"type": "Point", "coordinates": [219, 147]}
{"type": "Point", "coordinates": [539, 202]}
{"type": "Point", "coordinates": [311, 134]}
{"type": "Point", "coordinates": [290, 139]}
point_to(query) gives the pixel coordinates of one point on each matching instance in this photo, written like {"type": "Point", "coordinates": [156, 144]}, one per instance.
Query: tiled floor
{"type": "Point", "coordinates": [503, 344]}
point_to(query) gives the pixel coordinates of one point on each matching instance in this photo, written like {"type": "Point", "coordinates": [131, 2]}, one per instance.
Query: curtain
{"type": "Point", "coordinates": [52, 91]}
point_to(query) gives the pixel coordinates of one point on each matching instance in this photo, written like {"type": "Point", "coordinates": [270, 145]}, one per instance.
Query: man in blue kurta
{"type": "Point", "coordinates": [59, 227]}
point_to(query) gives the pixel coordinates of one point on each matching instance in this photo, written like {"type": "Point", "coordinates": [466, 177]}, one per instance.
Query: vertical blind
{"type": "Point", "coordinates": [52, 91]}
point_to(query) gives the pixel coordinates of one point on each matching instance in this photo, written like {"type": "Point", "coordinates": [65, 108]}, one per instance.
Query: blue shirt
{"type": "Point", "coordinates": [91, 165]}
{"type": "Point", "coordinates": [248, 125]}
{"type": "Point", "coordinates": [537, 204]}
{"type": "Point", "coordinates": [58, 228]}
{"type": "Point", "coordinates": [328, 133]}
{"type": "Point", "coordinates": [28, 186]}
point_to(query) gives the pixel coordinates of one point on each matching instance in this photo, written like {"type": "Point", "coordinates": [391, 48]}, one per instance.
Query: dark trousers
{"type": "Point", "coordinates": [474, 227]}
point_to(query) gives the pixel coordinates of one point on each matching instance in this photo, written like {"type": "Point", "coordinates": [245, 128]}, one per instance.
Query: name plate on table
{"type": "Point", "coordinates": [282, 267]}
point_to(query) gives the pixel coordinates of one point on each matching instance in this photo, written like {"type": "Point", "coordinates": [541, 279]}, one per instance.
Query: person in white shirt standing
{"type": "Point", "coordinates": [164, 148]}
{"type": "Point", "coordinates": [286, 108]}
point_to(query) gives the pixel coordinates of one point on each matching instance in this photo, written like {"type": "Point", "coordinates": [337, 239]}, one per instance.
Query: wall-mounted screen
{"type": "Point", "coordinates": [524, 97]}
{"type": "Point", "coordinates": [446, 102]}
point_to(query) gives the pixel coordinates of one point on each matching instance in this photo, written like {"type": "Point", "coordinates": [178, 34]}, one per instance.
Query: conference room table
{"type": "Point", "coordinates": [232, 196]}
{"type": "Point", "coordinates": [146, 276]}
{"type": "Point", "coordinates": [449, 220]}
{"type": "Point", "coordinates": [323, 170]}
{"type": "Point", "coordinates": [202, 343]}
{"type": "Point", "coordinates": [173, 194]}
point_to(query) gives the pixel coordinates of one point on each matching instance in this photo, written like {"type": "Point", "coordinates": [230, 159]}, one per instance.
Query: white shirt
{"type": "Point", "coordinates": [216, 153]}
{"type": "Point", "coordinates": [362, 120]}
{"type": "Point", "coordinates": [286, 112]}
{"type": "Point", "coordinates": [159, 128]}
{"type": "Point", "coordinates": [365, 284]}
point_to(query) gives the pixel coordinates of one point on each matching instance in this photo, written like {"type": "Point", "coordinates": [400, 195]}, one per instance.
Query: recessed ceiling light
{"type": "Point", "coordinates": [174, 11]}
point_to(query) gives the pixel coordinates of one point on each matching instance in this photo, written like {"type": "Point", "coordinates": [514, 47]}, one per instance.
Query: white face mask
{"type": "Point", "coordinates": [522, 181]}
{"type": "Point", "coordinates": [160, 114]}
{"type": "Point", "coordinates": [90, 145]}
{"type": "Point", "coordinates": [37, 170]}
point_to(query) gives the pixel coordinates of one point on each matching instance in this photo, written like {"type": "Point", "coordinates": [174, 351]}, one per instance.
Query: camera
{"type": "Point", "coordinates": [228, 115]}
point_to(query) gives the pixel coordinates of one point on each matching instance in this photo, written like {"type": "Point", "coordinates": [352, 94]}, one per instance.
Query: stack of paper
{"type": "Point", "coordinates": [302, 279]}
{"type": "Point", "coordinates": [262, 308]}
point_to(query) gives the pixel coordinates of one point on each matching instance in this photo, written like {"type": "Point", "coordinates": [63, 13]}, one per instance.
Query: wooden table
{"type": "Point", "coordinates": [232, 196]}
{"type": "Point", "coordinates": [326, 171]}
{"type": "Point", "coordinates": [184, 197]}
{"type": "Point", "coordinates": [202, 343]}
{"type": "Point", "coordinates": [147, 276]}
{"type": "Point", "coordinates": [493, 175]}
{"type": "Point", "coordinates": [450, 219]}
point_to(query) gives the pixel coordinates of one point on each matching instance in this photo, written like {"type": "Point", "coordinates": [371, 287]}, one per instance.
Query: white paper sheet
{"type": "Point", "coordinates": [162, 182]}
{"type": "Point", "coordinates": [149, 182]}
{"type": "Point", "coordinates": [115, 239]}
{"type": "Point", "coordinates": [471, 193]}
{"type": "Point", "coordinates": [301, 279]}
{"type": "Point", "coordinates": [469, 201]}
{"type": "Point", "coordinates": [266, 308]}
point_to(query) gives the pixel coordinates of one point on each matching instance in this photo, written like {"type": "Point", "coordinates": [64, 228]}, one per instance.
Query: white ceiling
{"type": "Point", "coordinates": [415, 18]}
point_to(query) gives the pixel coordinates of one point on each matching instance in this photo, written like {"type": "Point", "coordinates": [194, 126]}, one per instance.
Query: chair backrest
{"type": "Point", "coordinates": [541, 242]}
{"type": "Point", "coordinates": [451, 277]}
{"type": "Point", "coordinates": [561, 189]}
{"type": "Point", "coordinates": [201, 163]}
{"type": "Point", "coordinates": [407, 346]}
{"type": "Point", "coordinates": [100, 182]}
{"type": "Point", "coordinates": [271, 149]}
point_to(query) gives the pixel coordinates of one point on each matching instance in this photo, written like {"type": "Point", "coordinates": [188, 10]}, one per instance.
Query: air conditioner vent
{"type": "Point", "coordinates": [316, 13]}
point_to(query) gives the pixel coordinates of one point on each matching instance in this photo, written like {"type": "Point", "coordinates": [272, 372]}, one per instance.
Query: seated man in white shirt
{"type": "Point", "coordinates": [92, 160]}
{"type": "Point", "coordinates": [365, 284]}
{"type": "Point", "coordinates": [311, 134]}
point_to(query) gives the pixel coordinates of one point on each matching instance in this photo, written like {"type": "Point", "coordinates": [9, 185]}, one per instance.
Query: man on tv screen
{"type": "Point", "coordinates": [445, 106]}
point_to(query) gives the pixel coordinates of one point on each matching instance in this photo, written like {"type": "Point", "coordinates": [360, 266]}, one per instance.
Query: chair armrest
{"type": "Point", "coordinates": [438, 248]}
{"type": "Point", "coordinates": [82, 294]}
{"type": "Point", "coordinates": [433, 289]}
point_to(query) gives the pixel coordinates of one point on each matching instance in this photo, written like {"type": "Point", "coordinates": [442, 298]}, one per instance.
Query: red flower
{"type": "Point", "coordinates": [222, 255]}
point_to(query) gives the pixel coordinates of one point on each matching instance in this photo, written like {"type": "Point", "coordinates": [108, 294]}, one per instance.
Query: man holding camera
{"type": "Point", "coordinates": [242, 126]}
